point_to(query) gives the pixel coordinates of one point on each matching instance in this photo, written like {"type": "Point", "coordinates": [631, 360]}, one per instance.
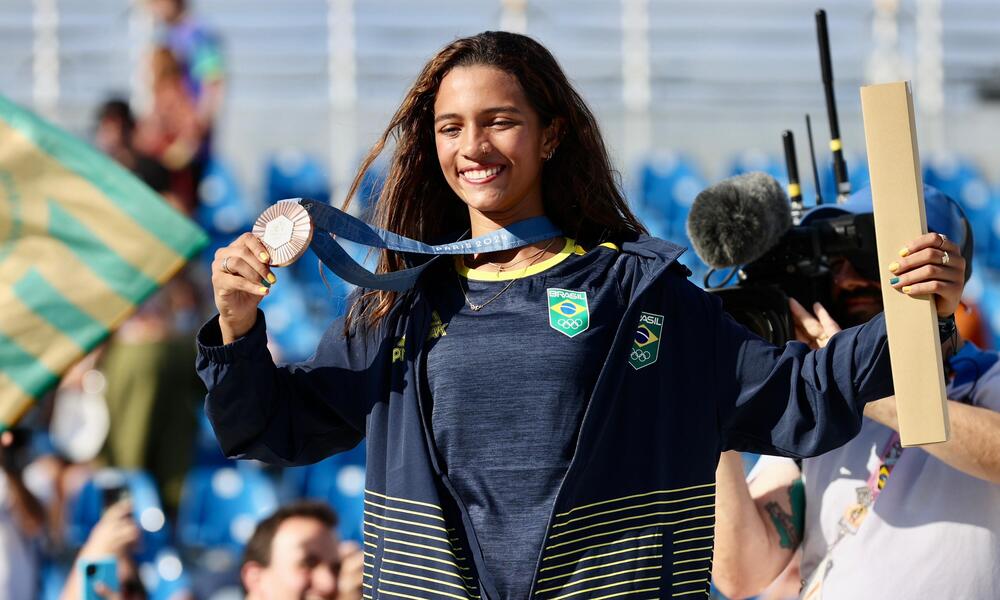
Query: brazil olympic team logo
{"type": "Point", "coordinates": [646, 344]}
{"type": "Point", "coordinates": [569, 313]}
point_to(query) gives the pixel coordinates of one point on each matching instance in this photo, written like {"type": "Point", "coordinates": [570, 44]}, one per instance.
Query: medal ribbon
{"type": "Point", "coordinates": [329, 221]}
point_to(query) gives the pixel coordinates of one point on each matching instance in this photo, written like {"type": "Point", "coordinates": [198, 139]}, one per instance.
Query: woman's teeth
{"type": "Point", "coordinates": [480, 174]}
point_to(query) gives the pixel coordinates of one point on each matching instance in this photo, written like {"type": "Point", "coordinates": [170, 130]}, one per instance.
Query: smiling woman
{"type": "Point", "coordinates": [492, 133]}
{"type": "Point", "coordinates": [543, 421]}
{"type": "Point", "coordinates": [491, 146]}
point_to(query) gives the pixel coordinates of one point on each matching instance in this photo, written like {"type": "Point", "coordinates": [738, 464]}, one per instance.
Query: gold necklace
{"type": "Point", "coordinates": [478, 307]}
{"type": "Point", "coordinates": [500, 267]}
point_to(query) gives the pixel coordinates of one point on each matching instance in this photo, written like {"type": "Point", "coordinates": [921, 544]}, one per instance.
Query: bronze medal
{"type": "Point", "coordinates": [286, 229]}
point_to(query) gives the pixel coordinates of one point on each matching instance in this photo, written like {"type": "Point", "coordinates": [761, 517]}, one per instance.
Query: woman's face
{"type": "Point", "coordinates": [490, 143]}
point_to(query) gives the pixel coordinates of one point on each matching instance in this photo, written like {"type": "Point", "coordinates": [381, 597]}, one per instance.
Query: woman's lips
{"type": "Point", "coordinates": [481, 175]}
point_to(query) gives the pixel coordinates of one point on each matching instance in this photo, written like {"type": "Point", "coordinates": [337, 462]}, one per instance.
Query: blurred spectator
{"type": "Point", "coordinates": [151, 394]}
{"type": "Point", "coordinates": [294, 554]}
{"type": "Point", "coordinates": [71, 426]}
{"type": "Point", "coordinates": [22, 523]}
{"type": "Point", "coordinates": [113, 536]}
{"type": "Point", "coordinates": [172, 132]}
{"type": "Point", "coordinates": [115, 136]}
{"type": "Point", "coordinates": [150, 390]}
{"type": "Point", "coordinates": [199, 53]}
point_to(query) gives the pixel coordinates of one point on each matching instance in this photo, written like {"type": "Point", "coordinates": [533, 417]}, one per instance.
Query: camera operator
{"type": "Point", "coordinates": [874, 520]}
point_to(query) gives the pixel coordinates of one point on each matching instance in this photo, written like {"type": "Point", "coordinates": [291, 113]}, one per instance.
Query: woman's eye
{"type": "Point", "coordinates": [502, 124]}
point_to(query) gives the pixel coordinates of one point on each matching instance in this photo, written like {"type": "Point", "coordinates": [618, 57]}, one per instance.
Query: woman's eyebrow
{"type": "Point", "coordinates": [493, 110]}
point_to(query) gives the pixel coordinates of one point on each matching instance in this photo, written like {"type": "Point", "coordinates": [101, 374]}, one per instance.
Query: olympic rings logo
{"type": "Point", "coordinates": [640, 355]}
{"type": "Point", "coordinates": [570, 323]}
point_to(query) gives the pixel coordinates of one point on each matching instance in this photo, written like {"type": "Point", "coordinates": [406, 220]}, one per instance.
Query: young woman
{"type": "Point", "coordinates": [546, 421]}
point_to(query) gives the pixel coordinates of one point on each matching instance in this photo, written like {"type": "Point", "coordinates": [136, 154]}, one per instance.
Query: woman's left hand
{"type": "Point", "coordinates": [931, 264]}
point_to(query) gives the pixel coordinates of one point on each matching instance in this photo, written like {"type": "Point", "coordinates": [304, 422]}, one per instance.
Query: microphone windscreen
{"type": "Point", "coordinates": [739, 219]}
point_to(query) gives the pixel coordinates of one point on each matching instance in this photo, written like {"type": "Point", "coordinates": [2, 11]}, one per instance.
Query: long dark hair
{"type": "Point", "coordinates": [580, 189]}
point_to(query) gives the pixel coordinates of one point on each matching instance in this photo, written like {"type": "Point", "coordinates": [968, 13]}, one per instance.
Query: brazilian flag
{"type": "Point", "coordinates": [82, 244]}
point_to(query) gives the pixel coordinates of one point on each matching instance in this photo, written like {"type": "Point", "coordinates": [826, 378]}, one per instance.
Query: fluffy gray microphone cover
{"type": "Point", "coordinates": [739, 219]}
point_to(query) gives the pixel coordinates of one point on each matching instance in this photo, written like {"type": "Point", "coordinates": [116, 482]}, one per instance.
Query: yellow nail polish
{"type": "Point", "coordinates": [271, 278]}
{"type": "Point", "coordinates": [263, 290]}
{"type": "Point", "coordinates": [893, 266]}
{"type": "Point", "coordinates": [906, 289]}
{"type": "Point", "coordinates": [263, 256]}
{"type": "Point", "coordinates": [904, 252]}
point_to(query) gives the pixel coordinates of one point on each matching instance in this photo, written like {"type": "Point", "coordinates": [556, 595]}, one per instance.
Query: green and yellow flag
{"type": "Point", "coordinates": [82, 244]}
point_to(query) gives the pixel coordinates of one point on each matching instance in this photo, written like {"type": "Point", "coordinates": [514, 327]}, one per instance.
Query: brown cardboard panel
{"type": "Point", "coordinates": [898, 198]}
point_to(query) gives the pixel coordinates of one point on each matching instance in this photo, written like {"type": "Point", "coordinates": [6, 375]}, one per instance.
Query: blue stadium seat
{"type": "Point", "coordinates": [219, 510]}
{"type": "Point", "coordinates": [88, 505]}
{"type": "Point", "coordinates": [668, 185]}
{"type": "Point", "coordinates": [654, 220]}
{"type": "Point", "coordinates": [338, 480]}
{"type": "Point", "coordinates": [857, 174]}
{"type": "Point", "coordinates": [220, 507]}
{"type": "Point", "coordinates": [323, 292]}
{"type": "Point", "coordinates": [752, 160]}
{"type": "Point", "coordinates": [223, 211]}
{"type": "Point", "coordinates": [292, 174]}
{"type": "Point", "coordinates": [288, 322]}
{"type": "Point", "coordinates": [964, 181]}
{"type": "Point", "coordinates": [164, 576]}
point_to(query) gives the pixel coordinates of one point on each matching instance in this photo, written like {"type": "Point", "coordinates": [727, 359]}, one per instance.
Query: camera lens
{"type": "Point", "coordinates": [91, 570]}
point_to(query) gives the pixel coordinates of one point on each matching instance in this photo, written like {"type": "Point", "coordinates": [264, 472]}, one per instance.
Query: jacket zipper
{"type": "Point", "coordinates": [475, 552]}
{"type": "Point", "coordinates": [623, 328]}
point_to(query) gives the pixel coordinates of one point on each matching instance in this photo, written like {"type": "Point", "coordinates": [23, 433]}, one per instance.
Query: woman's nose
{"type": "Point", "coordinates": [475, 146]}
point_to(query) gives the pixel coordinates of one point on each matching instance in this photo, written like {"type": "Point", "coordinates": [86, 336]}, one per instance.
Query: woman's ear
{"type": "Point", "coordinates": [551, 136]}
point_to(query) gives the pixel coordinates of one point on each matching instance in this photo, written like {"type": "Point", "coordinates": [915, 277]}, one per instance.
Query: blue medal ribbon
{"type": "Point", "coordinates": [329, 221]}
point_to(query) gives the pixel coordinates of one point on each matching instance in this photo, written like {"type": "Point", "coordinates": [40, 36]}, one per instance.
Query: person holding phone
{"type": "Point", "coordinates": [107, 550]}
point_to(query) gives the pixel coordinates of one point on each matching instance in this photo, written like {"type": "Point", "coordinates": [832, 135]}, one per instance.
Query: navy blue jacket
{"type": "Point", "coordinates": [635, 512]}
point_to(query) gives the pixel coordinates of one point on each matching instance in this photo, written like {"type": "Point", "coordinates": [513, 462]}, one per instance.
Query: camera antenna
{"type": "Point", "coordinates": [812, 157]}
{"type": "Point", "coordinates": [826, 67]}
{"type": "Point", "coordinates": [792, 166]}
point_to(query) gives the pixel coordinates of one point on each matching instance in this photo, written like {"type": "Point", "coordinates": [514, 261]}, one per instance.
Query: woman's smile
{"type": "Point", "coordinates": [480, 175]}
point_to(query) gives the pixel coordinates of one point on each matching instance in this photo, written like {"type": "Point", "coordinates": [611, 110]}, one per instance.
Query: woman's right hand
{"type": "Point", "coordinates": [241, 278]}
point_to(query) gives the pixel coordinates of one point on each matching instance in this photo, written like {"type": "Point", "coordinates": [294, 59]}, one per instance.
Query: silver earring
{"type": "Point", "coordinates": [549, 154]}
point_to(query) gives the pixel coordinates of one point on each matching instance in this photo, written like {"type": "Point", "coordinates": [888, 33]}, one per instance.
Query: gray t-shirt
{"type": "Point", "coordinates": [509, 386]}
{"type": "Point", "coordinates": [934, 532]}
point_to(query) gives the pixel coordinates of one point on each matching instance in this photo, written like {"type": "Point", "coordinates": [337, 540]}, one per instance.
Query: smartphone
{"type": "Point", "coordinates": [112, 494]}
{"type": "Point", "coordinates": [100, 570]}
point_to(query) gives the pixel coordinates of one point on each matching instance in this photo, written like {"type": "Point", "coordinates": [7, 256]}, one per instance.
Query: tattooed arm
{"type": "Point", "coordinates": [758, 526]}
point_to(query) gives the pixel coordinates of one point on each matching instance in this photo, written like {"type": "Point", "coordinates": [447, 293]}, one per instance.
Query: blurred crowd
{"type": "Point", "coordinates": [119, 462]}
{"type": "Point", "coordinates": [113, 486]}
